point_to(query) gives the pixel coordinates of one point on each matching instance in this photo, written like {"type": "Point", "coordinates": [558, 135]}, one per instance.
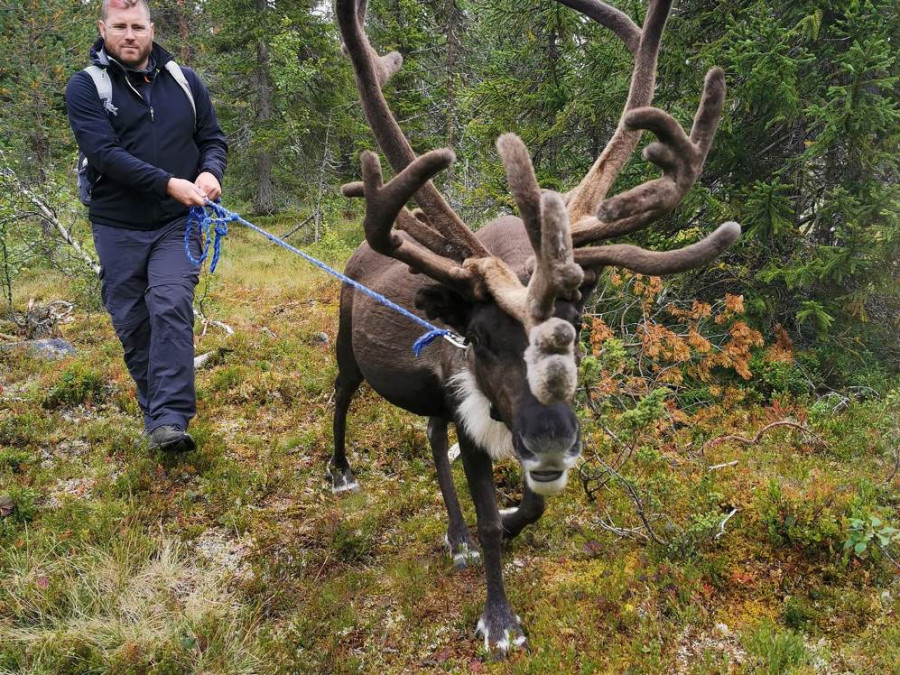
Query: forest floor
{"type": "Point", "coordinates": [237, 558]}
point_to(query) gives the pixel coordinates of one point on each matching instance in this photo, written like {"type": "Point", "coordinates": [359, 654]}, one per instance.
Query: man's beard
{"type": "Point", "coordinates": [131, 58]}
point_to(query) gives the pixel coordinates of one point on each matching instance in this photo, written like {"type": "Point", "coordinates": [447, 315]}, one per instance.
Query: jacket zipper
{"type": "Point", "coordinates": [153, 125]}
{"type": "Point", "coordinates": [150, 85]}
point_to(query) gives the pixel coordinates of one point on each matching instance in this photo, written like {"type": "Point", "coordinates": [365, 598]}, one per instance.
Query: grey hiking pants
{"type": "Point", "coordinates": [147, 286]}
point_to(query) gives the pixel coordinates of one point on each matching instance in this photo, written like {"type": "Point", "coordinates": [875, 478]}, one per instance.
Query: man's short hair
{"type": "Point", "coordinates": [121, 4]}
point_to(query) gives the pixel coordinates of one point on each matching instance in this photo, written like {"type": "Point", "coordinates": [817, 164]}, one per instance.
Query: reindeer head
{"type": "Point", "coordinates": [521, 324]}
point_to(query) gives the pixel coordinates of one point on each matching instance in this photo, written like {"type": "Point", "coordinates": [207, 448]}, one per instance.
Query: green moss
{"type": "Point", "coordinates": [775, 651]}
{"type": "Point", "coordinates": [78, 384]}
{"type": "Point", "coordinates": [23, 428]}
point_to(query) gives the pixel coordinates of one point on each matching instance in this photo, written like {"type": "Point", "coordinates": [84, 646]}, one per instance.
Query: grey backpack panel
{"type": "Point", "coordinates": [176, 72]}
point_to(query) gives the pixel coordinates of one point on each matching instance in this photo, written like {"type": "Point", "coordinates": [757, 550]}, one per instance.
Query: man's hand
{"type": "Point", "coordinates": [186, 192]}
{"type": "Point", "coordinates": [209, 184]}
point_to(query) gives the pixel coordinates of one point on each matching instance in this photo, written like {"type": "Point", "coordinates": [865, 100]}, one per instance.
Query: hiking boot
{"type": "Point", "coordinates": [170, 438]}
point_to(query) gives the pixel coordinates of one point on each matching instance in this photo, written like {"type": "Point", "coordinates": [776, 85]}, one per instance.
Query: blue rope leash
{"type": "Point", "coordinates": [212, 220]}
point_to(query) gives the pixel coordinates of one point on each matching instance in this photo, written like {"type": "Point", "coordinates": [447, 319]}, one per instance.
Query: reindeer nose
{"type": "Point", "coordinates": [549, 431]}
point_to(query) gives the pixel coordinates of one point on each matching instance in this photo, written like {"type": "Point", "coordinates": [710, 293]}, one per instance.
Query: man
{"type": "Point", "coordinates": [155, 157]}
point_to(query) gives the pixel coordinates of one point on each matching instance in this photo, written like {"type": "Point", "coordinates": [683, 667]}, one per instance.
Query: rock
{"type": "Point", "coordinates": [320, 338]}
{"type": "Point", "coordinates": [7, 506]}
{"type": "Point", "coordinates": [51, 349]}
{"type": "Point", "coordinates": [225, 552]}
{"type": "Point", "coordinates": [74, 488]}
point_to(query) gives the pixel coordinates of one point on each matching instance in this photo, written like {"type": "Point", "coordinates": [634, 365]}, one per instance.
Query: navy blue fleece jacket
{"type": "Point", "coordinates": [149, 139]}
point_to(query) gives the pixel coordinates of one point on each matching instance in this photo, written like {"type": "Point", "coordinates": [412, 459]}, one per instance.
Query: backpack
{"type": "Point", "coordinates": [87, 176]}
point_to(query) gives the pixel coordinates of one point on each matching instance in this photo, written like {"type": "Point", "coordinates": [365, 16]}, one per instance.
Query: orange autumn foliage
{"type": "Point", "coordinates": [783, 348]}
{"type": "Point", "coordinates": [674, 342]}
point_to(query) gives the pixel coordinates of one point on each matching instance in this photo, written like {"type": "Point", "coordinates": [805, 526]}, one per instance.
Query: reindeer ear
{"type": "Point", "coordinates": [445, 304]}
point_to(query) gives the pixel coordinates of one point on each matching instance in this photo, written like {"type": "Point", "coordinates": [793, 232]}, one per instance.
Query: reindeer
{"type": "Point", "coordinates": [515, 289]}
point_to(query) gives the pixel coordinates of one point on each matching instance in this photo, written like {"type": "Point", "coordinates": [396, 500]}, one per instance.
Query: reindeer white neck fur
{"type": "Point", "coordinates": [474, 411]}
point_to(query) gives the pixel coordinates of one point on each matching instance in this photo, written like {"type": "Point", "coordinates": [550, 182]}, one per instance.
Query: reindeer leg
{"type": "Point", "coordinates": [459, 541]}
{"type": "Point", "coordinates": [499, 625]}
{"type": "Point", "coordinates": [345, 385]}
{"type": "Point", "coordinates": [527, 512]}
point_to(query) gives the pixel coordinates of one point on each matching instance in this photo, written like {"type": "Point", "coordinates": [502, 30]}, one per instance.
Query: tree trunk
{"type": "Point", "coordinates": [453, 27]}
{"type": "Point", "coordinates": [554, 56]}
{"type": "Point", "coordinates": [184, 52]}
{"type": "Point", "coordinates": [264, 201]}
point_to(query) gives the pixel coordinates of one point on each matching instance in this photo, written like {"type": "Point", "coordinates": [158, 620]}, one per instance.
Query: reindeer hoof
{"type": "Point", "coordinates": [463, 553]}
{"type": "Point", "coordinates": [501, 631]}
{"type": "Point", "coordinates": [343, 484]}
{"type": "Point", "coordinates": [341, 481]}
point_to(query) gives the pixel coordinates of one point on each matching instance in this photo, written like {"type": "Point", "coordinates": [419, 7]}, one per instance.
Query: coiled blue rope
{"type": "Point", "coordinates": [207, 225]}
{"type": "Point", "coordinates": [211, 221]}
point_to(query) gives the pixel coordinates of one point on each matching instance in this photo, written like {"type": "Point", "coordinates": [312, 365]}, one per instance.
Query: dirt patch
{"type": "Point", "coordinates": [74, 488]}
{"type": "Point", "coordinates": [225, 552]}
{"type": "Point", "coordinates": [720, 641]}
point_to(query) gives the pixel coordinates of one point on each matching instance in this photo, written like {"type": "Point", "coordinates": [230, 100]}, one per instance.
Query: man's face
{"type": "Point", "coordinates": [128, 35]}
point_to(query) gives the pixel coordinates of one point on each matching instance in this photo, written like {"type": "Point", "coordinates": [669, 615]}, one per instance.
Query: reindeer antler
{"type": "Point", "coordinates": [681, 157]}
{"type": "Point", "coordinates": [610, 17]}
{"type": "Point", "coordinates": [440, 241]}
{"type": "Point", "coordinates": [384, 203]}
{"type": "Point", "coordinates": [584, 200]}
{"type": "Point", "coordinates": [658, 263]}
{"type": "Point", "coordinates": [372, 72]}
{"type": "Point", "coordinates": [555, 272]}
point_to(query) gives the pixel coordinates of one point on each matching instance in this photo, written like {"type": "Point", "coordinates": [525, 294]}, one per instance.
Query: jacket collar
{"type": "Point", "coordinates": [159, 57]}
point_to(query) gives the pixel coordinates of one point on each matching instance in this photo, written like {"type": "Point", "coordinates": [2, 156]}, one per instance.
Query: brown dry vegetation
{"type": "Point", "coordinates": [237, 558]}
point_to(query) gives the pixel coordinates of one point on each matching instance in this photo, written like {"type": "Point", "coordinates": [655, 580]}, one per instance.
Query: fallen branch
{"type": "Point", "coordinates": [636, 500]}
{"type": "Point", "coordinates": [722, 524]}
{"type": "Point", "coordinates": [209, 322]}
{"type": "Point", "coordinates": [887, 555]}
{"type": "Point", "coordinates": [893, 473]}
{"type": "Point", "coordinates": [46, 213]}
{"type": "Point", "coordinates": [892, 437]}
{"type": "Point", "coordinates": [586, 472]}
{"type": "Point", "coordinates": [209, 358]}
{"type": "Point", "coordinates": [721, 466]}
{"type": "Point", "coordinates": [295, 229]}
{"type": "Point", "coordinates": [623, 532]}
{"type": "Point", "coordinates": [759, 435]}
{"type": "Point", "coordinates": [41, 320]}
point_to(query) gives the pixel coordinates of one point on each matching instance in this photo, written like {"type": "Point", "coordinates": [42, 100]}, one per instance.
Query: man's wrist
{"type": "Point", "coordinates": [211, 171]}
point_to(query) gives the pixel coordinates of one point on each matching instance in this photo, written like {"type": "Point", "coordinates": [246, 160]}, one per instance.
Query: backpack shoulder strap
{"type": "Point", "coordinates": [176, 72]}
{"type": "Point", "coordinates": [104, 87]}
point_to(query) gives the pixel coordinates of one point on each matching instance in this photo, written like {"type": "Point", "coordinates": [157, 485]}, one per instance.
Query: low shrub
{"type": "Point", "coordinates": [78, 385]}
